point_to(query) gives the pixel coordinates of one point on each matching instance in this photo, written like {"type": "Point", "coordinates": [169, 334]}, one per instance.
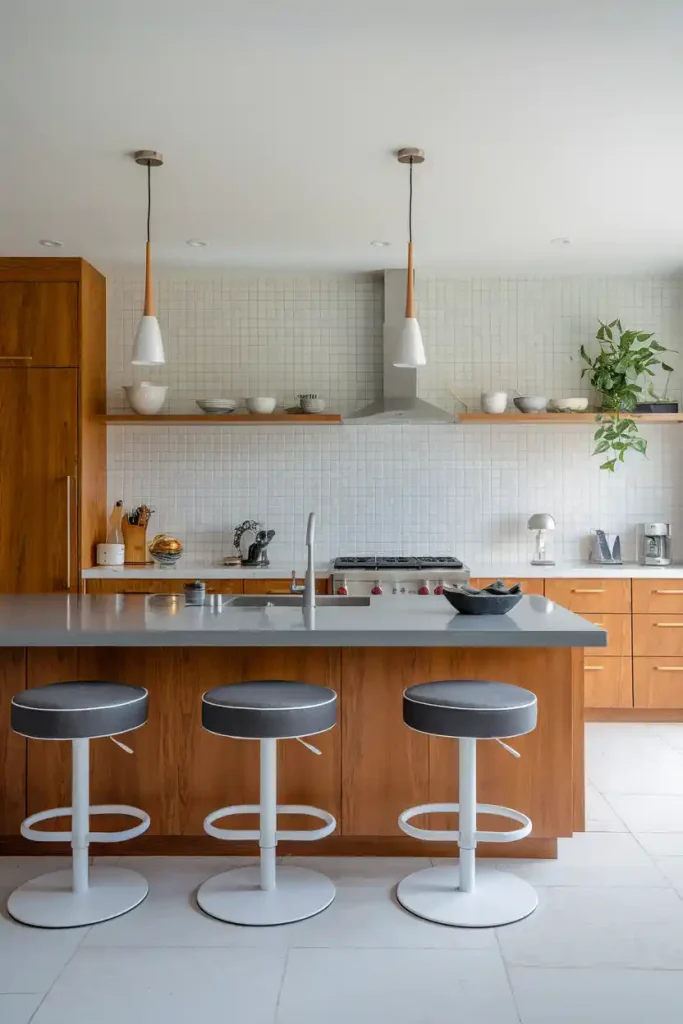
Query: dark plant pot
{"type": "Point", "coordinates": [656, 407]}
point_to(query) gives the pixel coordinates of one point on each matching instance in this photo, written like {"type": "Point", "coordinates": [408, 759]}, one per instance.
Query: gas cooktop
{"type": "Point", "coordinates": [413, 563]}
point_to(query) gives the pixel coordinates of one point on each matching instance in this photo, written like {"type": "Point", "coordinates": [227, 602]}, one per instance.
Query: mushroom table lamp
{"type": "Point", "coordinates": [541, 522]}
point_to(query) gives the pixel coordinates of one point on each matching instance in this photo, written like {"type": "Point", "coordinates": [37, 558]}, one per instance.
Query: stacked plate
{"type": "Point", "coordinates": [216, 406]}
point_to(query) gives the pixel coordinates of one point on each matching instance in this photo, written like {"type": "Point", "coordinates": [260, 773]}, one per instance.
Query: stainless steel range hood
{"type": "Point", "coordinates": [399, 402]}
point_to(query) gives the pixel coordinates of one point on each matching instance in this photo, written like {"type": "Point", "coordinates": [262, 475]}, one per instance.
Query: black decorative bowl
{"type": "Point", "coordinates": [482, 603]}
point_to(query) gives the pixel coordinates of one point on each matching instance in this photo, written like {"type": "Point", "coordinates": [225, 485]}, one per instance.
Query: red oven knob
{"type": "Point", "coordinates": [343, 591]}
{"type": "Point", "coordinates": [438, 589]}
{"type": "Point", "coordinates": [377, 589]}
{"type": "Point", "coordinates": [424, 590]}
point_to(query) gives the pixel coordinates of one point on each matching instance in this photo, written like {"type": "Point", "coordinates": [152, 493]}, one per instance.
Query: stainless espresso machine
{"type": "Point", "coordinates": [655, 544]}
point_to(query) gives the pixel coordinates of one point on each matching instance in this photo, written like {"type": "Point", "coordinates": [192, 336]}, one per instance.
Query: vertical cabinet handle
{"type": "Point", "coordinates": [68, 533]}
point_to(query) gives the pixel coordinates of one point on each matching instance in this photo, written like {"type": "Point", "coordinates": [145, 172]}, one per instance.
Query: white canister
{"type": "Point", "coordinates": [494, 402]}
{"type": "Point", "coordinates": [111, 555]}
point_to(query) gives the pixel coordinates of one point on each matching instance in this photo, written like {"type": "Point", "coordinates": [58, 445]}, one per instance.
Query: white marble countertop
{"type": "Point", "coordinates": [574, 570]}
{"type": "Point", "coordinates": [61, 620]}
{"type": "Point", "coordinates": [189, 571]}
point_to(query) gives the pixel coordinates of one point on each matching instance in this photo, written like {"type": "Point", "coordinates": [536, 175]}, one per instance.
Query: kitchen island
{"type": "Point", "coordinates": [372, 766]}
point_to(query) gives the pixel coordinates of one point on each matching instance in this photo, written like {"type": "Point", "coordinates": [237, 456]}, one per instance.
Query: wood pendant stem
{"type": "Point", "coordinates": [410, 298]}
{"type": "Point", "coordinates": [149, 296]}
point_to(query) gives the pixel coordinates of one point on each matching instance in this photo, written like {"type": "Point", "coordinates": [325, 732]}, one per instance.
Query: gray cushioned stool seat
{"type": "Point", "coordinates": [470, 708]}
{"type": "Point", "coordinates": [269, 709]}
{"type": "Point", "coordinates": [78, 710]}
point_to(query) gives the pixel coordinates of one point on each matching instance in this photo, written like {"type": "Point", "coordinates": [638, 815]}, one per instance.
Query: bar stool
{"type": "Point", "coordinates": [81, 895]}
{"type": "Point", "coordinates": [468, 710]}
{"type": "Point", "coordinates": [268, 711]}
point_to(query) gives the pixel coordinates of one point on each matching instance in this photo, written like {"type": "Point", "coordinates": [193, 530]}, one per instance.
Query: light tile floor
{"type": "Point", "coordinates": [606, 943]}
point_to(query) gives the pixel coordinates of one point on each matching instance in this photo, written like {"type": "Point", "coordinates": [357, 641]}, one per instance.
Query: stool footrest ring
{"type": "Point", "coordinates": [40, 836]}
{"type": "Point", "coordinates": [451, 835]}
{"type": "Point", "coordinates": [291, 834]}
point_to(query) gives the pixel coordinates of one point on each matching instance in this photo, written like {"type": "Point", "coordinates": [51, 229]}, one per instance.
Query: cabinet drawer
{"type": "Point", "coordinates": [174, 586]}
{"type": "Point", "coordinates": [660, 634]}
{"type": "Point", "coordinates": [529, 586]}
{"type": "Point", "coordinates": [38, 323]}
{"type": "Point", "coordinates": [658, 596]}
{"type": "Point", "coordinates": [618, 635]}
{"type": "Point", "coordinates": [591, 595]}
{"type": "Point", "coordinates": [279, 586]}
{"type": "Point", "coordinates": [608, 682]}
{"type": "Point", "coordinates": [658, 682]}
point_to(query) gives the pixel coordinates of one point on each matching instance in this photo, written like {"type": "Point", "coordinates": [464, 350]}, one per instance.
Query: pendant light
{"type": "Point", "coordinates": [148, 349]}
{"type": "Point", "coordinates": [411, 350]}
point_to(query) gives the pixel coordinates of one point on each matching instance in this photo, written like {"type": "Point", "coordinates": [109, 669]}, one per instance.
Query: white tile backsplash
{"type": "Point", "coordinates": [467, 489]}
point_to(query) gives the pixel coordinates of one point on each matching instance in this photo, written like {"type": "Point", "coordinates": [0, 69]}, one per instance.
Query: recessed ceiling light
{"type": "Point", "coordinates": [51, 243]}
{"type": "Point", "coordinates": [196, 243]}
{"type": "Point", "coordinates": [379, 244]}
{"type": "Point", "coordinates": [560, 241]}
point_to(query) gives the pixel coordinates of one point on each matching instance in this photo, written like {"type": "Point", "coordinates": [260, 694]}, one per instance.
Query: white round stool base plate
{"type": "Point", "coordinates": [499, 898]}
{"type": "Point", "coordinates": [49, 902]}
{"type": "Point", "coordinates": [236, 896]}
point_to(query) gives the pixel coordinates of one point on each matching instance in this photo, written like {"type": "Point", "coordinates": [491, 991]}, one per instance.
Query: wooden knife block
{"type": "Point", "coordinates": [135, 541]}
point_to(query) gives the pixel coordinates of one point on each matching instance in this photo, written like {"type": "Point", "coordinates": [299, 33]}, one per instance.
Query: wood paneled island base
{"type": "Point", "coordinates": [372, 767]}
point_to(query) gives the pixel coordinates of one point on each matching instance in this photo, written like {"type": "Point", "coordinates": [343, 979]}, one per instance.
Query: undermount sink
{"type": "Point", "coordinates": [296, 601]}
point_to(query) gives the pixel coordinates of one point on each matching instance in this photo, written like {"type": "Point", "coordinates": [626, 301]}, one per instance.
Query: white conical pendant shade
{"type": "Point", "coordinates": [148, 349]}
{"type": "Point", "coordinates": [411, 350]}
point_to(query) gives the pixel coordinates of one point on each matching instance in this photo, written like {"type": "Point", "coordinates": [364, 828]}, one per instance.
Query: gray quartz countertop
{"type": "Point", "coordinates": [57, 620]}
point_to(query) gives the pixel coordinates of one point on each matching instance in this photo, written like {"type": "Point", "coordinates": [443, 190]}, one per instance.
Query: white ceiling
{"type": "Point", "coordinates": [278, 119]}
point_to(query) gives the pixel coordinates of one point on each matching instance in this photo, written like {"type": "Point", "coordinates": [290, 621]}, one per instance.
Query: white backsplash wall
{"type": "Point", "coordinates": [463, 489]}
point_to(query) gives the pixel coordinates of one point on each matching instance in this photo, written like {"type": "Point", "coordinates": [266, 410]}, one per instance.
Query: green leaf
{"type": "Point", "coordinates": [656, 347]}
{"type": "Point", "coordinates": [598, 433]}
{"type": "Point", "coordinates": [584, 355]}
{"type": "Point", "coordinates": [668, 369]}
{"type": "Point", "coordinates": [645, 337]}
{"type": "Point", "coordinates": [609, 465]}
{"type": "Point", "coordinates": [639, 444]}
{"type": "Point", "coordinates": [607, 330]}
{"type": "Point", "coordinates": [602, 447]}
{"type": "Point", "coordinates": [622, 454]}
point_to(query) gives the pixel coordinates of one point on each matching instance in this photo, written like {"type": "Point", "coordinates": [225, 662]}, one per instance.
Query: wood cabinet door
{"type": "Point", "coordinates": [658, 635]}
{"type": "Point", "coordinates": [652, 596]}
{"type": "Point", "coordinates": [38, 323]}
{"type": "Point", "coordinates": [658, 682]}
{"type": "Point", "coordinates": [38, 456]}
{"type": "Point", "coordinates": [12, 746]}
{"type": "Point", "coordinates": [590, 595]}
{"type": "Point", "coordinates": [618, 629]}
{"type": "Point", "coordinates": [279, 586]}
{"type": "Point", "coordinates": [608, 682]}
{"type": "Point", "coordinates": [529, 586]}
{"type": "Point", "coordinates": [174, 586]}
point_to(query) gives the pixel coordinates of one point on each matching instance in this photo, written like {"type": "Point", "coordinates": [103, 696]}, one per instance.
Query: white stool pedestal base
{"type": "Point", "coordinates": [498, 898]}
{"type": "Point", "coordinates": [49, 901]}
{"type": "Point", "coordinates": [236, 896]}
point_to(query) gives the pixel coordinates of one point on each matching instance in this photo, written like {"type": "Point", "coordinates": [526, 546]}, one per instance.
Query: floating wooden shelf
{"type": "Point", "coordinates": [563, 417]}
{"type": "Point", "coordinates": [233, 418]}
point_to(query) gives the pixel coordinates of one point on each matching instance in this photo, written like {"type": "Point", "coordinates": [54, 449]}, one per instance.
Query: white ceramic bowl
{"type": "Point", "coordinates": [216, 406]}
{"type": "Point", "coordinates": [311, 403]}
{"type": "Point", "coordinates": [260, 405]}
{"type": "Point", "coordinates": [494, 402]}
{"type": "Point", "coordinates": [533, 403]}
{"type": "Point", "coordinates": [146, 398]}
{"type": "Point", "coordinates": [568, 404]}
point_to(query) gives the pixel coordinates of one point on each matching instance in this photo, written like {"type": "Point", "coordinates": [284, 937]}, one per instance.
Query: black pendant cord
{"type": "Point", "coordinates": [149, 198]}
{"type": "Point", "coordinates": [410, 204]}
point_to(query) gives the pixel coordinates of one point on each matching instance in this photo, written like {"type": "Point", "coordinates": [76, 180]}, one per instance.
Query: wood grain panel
{"type": "Point", "coordinates": [662, 595]}
{"type": "Point", "coordinates": [41, 268]}
{"type": "Point", "coordinates": [547, 753]}
{"type": "Point", "coordinates": [280, 586]}
{"type": "Point", "coordinates": [156, 586]}
{"type": "Point", "coordinates": [39, 323]}
{"type": "Point", "coordinates": [658, 682]}
{"type": "Point", "coordinates": [385, 766]}
{"type": "Point", "coordinates": [38, 451]}
{"type": "Point", "coordinates": [608, 682]}
{"type": "Point", "coordinates": [618, 629]}
{"type": "Point", "coordinates": [658, 635]}
{"type": "Point", "coordinates": [92, 476]}
{"type": "Point", "coordinates": [590, 595]}
{"type": "Point", "coordinates": [12, 746]}
{"type": "Point", "coordinates": [529, 585]}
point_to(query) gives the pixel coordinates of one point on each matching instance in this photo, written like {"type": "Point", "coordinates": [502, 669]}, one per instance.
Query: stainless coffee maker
{"type": "Point", "coordinates": [655, 544]}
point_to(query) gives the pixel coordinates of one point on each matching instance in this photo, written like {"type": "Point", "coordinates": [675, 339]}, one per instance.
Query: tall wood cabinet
{"type": "Point", "coordinates": [52, 438]}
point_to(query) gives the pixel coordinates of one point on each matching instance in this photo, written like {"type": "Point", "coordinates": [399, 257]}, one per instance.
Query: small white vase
{"type": "Point", "coordinates": [494, 402]}
{"type": "Point", "coordinates": [146, 398]}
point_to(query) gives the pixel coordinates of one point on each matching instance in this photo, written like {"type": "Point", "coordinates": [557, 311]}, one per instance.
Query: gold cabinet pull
{"type": "Point", "coordinates": [26, 359]}
{"type": "Point", "coordinates": [668, 668]}
{"type": "Point", "coordinates": [670, 625]}
{"type": "Point", "coordinates": [667, 591]}
{"type": "Point", "coordinates": [593, 668]}
{"type": "Point", "coordinates": [588, 590]}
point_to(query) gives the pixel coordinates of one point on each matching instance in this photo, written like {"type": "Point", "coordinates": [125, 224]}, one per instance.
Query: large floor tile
{"type": "Point", "coordinates": [358, 871]}
{"type": "Point", "coordinates": [600, 817]}
{"type": "Point", "coordinates": [598, 996]}
{"type": "Point", "coordinates": [18, 1009]}
{"type": "Point", "coordinates": [590, 927]}
{"type": "Point", "coordinates": [672, 868]}
{"type": "Point", "coordinates": [14, 871]}
{"type": "Point", "coordinates": [591, 859]}
{"type": "Point", "coordinates": [173, 986]}
{"type": "Point", "coordinates": [417, 986]}
{"type": "Point", "coordinates": [31, 958]}
{"type": "Point", "coordinates": [661, 844]}
{"type": "Point", "coordinates": [670, 732]}
{"type": "Point", "coordinates": [634, 763]}
{"type": "Point", "coordinates": [648, 813]}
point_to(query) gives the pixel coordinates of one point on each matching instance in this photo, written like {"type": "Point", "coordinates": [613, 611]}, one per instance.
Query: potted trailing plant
{"type": "Point", "coordinates": [624, 358]}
